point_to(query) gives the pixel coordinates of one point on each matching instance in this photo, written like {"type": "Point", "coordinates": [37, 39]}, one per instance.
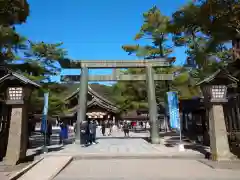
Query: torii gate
{"type": "Point", "coordinates": [150, 77]}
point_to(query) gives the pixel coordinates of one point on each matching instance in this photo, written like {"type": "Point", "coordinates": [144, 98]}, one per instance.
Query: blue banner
{"type": "Point", "coordinates": [173, 110]}
{"type": "Point", "coordinates": [45, 111]}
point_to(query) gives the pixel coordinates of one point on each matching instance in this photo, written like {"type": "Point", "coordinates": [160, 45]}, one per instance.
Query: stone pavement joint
{"type": "Point", "coordinates": [47, 169]}
{"type": "Point", "coordinates": [147, 169]}
{"type": "Point", "coordinates": [233, 165]}
{"type": "Point", "coordinates": [18, 174]}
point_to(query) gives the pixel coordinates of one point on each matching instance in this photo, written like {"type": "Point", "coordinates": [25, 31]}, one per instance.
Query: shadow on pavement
{"type": "Point", "coordinates": [199, 148]}
{"type": "Point", "coordinates": [235, 150]}
{"type": "Point", "coordinates": [188, 144]}
{"type": "Point", "coordinates": [37, 140]}
{"type": "Point", "coordinates": [39, 150]}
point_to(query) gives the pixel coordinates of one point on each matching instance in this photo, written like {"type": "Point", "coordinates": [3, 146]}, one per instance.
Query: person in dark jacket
{"type": "Point", "coordinates": [92, 132]}
{"type": "Point", "coordinates": [49, 133]}
{"type": "Point", "coordinates": [84, 133]}
{"type": "Point", "coordinates": [103, 128]}
{"type": "Point", "coordinates": [61, 133]}
{"type": "Point", "coordinates": [126, 129]}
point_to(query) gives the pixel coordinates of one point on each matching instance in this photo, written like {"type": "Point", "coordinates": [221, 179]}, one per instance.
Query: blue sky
{"type": "Point", "coordinates": [92, 29]}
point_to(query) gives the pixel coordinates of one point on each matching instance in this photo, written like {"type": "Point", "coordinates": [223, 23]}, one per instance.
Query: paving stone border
{"type": "Point", "coordinates": [18, 174]}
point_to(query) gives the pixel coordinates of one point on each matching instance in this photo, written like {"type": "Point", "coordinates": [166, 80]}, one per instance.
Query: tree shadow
{"type": "Point", "coordinates": [37, 140]}
{"type": "Point", "coordinates": [175, 141]}
{"type": "Point", "coordinates": [199, 148]}
{"type": "Point", "coordinates": [170, 133]}
{"type": "Point", "coordinates": [235, 150]}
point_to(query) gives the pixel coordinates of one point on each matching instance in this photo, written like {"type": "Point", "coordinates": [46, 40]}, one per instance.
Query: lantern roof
{"type": "Point", "coordinates": [221, 74]}
{"type": "Point", "coordinates": [19, 77]}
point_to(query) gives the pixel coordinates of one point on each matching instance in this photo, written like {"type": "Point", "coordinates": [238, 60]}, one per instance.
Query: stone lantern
{"type": "Point", "coordinates": [17, 89]}
{"type": "Point", "coordinates": [214, 90]}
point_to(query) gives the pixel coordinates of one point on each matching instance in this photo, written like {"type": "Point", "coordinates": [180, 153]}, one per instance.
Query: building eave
{"type": "Point", "coordinates": [95, 96]}
{"type": "Point", "coordinates": [21, 78]}
{"type": "Point", "coordinates": [98, 102]}
{"type": "Point", "coordinates": [102, 104]}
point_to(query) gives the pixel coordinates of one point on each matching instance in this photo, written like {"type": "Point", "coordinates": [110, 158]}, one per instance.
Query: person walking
{"type": "Point", "coordinates": [95, 131]}
{"type": "Point", "coordinates": [103, 128]}
{"type": "Point", "coordinates": [61, 132]}
{"type": "Point", "coordinates": [110, 124]}
{"type": "Point", "coordinates": [126, 129]}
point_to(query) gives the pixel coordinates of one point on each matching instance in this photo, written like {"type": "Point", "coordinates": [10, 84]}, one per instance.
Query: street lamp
{"type": "Point", "coordinates": [17, 90]}
{"type": "Point", "coordinates": [214, 90]}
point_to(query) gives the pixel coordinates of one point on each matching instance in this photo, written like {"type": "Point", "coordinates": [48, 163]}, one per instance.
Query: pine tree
{"type": "Point", "coordinates": [12, 12]}
{"type": "Point", "coordinates": [153, 29]}
{"type": "Point", "coordinates": [133, 95]}
{"type": "Point", "coordinates": [39, 60]}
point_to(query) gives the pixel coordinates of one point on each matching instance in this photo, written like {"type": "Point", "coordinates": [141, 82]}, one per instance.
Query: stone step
{"type": "Point", "coordinates": [47, 169]}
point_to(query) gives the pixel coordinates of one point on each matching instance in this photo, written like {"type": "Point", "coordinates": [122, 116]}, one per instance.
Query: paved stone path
{"type": "Point", "coordinates": [147, 169]}
{"type": "Point", "coordinates": [154, 168]}
{"type": "Point", "coordinates": [47, 168]}
{"type": "Point", "coordinates": [3, 176]}
{"type": "Point", "coordinates": [117, 145]}
{"type": "Point", "coordinates": [6, 170]}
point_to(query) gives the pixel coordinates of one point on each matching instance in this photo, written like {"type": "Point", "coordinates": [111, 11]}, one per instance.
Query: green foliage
{"type": "Point", "coordinates": [42, 59]}
{"type": "Point", "coordinates": [13, 12]}
{"type": "Point", "coordinates": [39, 59]}
{"type": "Point", "coordinates": [133, 95]}
{"type": "Point", "coordinates": [154, 28]}
{"type": "Point", "coordinates": [57, 94]}
{"type": "Point", "coordinates": [189, 33]}
{"type": "Point", "coordinates": [217, 20]}
{"type": "Point", "coordinates": [10, 44]}
{"type": "Point", "coordinates": [40, 64]}
{"type": "Point", "coordinates": [204, 27]}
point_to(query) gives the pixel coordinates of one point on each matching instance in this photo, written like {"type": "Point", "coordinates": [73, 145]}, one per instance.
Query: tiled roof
{"type": "Point", "coordinates": [19, 77]}
{"type": "Point", "coordinates": [215, 74]}
{"type": "Point", "coordinates": [98, 99]}
{"type": "Point", "coordinates": [95, 90]}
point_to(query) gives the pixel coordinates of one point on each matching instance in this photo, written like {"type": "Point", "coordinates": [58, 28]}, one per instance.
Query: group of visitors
{"type": "Point", "coordinates": [88, 132]}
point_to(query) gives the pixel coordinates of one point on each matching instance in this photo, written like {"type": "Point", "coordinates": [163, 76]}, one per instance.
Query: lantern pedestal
{"type": "Point", "coordinates": [18, 137]}
{"type": "Point", "coordinates": [218, 134]}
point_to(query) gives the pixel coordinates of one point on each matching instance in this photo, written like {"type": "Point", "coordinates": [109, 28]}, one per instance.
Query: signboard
{"type": "Point", "coordinates": [173, 110]}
